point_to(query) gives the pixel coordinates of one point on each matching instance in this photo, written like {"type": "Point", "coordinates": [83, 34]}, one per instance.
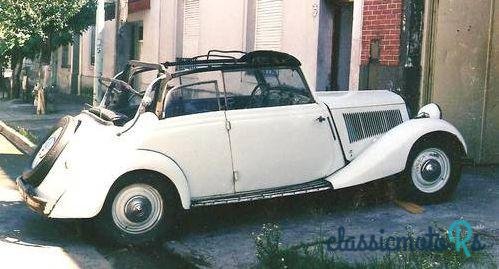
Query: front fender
{"type": "Point", "coordinates": [85, 198]}
{"type": "Point", "coordinates": [388, 155]}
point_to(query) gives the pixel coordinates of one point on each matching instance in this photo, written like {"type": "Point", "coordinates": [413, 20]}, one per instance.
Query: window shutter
{"type": "Point", "coordinates": [268, 34]}
{"type": "Point", "coordinates": [191, 28]}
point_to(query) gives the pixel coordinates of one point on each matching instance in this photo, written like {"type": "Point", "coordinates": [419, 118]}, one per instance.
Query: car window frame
{"type": "Point", "coordinates": [297, 69]}
{"type": "Point", "coordinates": [170, 92]}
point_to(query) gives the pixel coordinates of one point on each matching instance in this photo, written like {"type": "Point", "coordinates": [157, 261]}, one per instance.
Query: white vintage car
{"type": "Point", "coordinates": [221, 129]}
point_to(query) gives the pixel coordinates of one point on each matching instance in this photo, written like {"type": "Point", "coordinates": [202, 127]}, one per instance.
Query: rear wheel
{"type": "Point", "coordinates": [138, 210]}
{"type": "Point", "coordinates": [47, 152]}
{"type": "Point", "coordinates": [432, 173]}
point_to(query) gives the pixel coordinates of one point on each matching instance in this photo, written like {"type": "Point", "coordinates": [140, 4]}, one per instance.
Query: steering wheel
{"type": "Point", "coordinates": [257, 97]}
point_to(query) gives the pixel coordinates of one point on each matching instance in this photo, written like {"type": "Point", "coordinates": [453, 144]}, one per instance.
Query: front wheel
{"type": "Point", "coordinates": [432, 173]}
{"type": "Point", "coordinates": [137, 211]}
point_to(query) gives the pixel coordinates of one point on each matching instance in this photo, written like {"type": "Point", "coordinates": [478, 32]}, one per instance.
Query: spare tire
{"type": "Point", "coordinates": [47, 152]}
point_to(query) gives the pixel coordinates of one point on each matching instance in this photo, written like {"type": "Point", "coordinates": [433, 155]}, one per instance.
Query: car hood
{"type": "Point", "coordinates": [350, 99]}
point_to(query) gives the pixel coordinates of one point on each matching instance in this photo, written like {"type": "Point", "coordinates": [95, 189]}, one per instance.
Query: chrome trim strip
{"type": "Point", "coordinates": [309, 187]}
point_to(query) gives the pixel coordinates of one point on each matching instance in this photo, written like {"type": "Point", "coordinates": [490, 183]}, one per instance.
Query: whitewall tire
{"type": "Point", "coordinates": [432, 173]}
{"type": "Point", "coordinates": [139, 209]}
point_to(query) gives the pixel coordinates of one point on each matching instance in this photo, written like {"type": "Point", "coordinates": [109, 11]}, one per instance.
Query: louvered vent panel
{"type": "Point", "coordinates": [268, 34]}
{"type": "Point", "coordinates": [363, 125]}
{"type": "Point", "coordinates": [191, 28]}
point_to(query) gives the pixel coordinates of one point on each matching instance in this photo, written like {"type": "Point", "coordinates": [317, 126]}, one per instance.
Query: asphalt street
{"type": "Point", "coordinates": [29, 240]}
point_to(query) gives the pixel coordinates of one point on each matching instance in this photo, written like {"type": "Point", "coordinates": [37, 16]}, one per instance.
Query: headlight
{"type": "Point", "coordinates": [431, 111]}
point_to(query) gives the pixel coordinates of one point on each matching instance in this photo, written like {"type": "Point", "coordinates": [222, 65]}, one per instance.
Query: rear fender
{"type": "Point", "coordinates": [388, 154]}
{"type": "Point", "coordinates": [85, 197]}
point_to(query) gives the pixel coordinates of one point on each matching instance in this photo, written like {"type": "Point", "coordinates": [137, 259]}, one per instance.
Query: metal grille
{"type": "Point", "coordinates": [363, 125]}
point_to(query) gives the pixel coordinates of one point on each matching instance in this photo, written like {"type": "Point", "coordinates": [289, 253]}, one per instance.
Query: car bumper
{"type": "Point", "coordinates": [31, 199]}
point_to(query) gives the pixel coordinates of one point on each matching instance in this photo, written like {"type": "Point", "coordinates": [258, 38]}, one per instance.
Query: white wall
{"type": "Point", "coordinates": [64, 72]}
{"type": "Point", "coordinates": [168, 30]}
{"type": "Point", "coordinates": [222, 25]}
{"type": "Point", "coordinates": [300, 34]}
{"type": "Point", "coordinates": [86, 68]}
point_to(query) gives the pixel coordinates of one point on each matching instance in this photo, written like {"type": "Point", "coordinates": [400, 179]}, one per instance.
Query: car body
{"type": "Point", "coordinates": [222, 129]}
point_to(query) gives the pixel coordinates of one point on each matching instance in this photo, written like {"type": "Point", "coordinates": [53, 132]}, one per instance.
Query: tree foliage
{"type": "Point", "coordinates": [34, 28]}
{"type": "Point", "coordinates": [30, 27]}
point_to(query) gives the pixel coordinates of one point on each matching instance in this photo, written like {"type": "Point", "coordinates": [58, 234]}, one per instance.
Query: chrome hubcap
{"type": "Point", "coordinates": [431, 170]}
{"type": "Point", "coordinates": [137, 208]}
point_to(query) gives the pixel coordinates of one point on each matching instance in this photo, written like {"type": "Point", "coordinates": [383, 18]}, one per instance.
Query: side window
{"type": "Point", "coordinates": [239, 86]}
{"type": "Point", "coordinates": [191, 99]}
{"type": "Point", "coordinates": [265, 87]}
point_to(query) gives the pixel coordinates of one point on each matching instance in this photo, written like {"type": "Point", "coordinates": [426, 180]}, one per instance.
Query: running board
{"type": "Point", "coordinates": [309, 187]}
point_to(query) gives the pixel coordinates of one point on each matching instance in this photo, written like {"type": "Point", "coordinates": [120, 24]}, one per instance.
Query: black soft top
{"type": "Point", "coordinates": [224, 60]}
{"type": "Point", "coordinates": [220, 60]}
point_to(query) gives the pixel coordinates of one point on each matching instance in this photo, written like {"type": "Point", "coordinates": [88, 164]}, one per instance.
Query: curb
{"type": "Point", "coordinates": [21, 142]}
{"type": "Point", "coordinates": [182, 251]}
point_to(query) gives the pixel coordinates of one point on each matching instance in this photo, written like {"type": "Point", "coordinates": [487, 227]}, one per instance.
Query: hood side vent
{"type": "Point", "coordinates": [362, 125]}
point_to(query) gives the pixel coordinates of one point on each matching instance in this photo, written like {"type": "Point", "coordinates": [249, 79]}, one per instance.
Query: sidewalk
{"type": "Point", "coordinates": [20, 115]}
{"type": "Point", "coordinates": [28, 240]}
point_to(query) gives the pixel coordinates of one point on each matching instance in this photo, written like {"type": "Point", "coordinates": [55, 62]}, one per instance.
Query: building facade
{"type": "Point", "coordinates": [443, 51]}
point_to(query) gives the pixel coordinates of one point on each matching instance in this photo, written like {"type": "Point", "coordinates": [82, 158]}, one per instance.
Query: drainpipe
{"type": "Point", "coordinates": [99, 50]}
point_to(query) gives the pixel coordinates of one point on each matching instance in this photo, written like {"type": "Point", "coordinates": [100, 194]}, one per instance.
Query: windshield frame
{"type": "Point", "coordinates": [125, 78]}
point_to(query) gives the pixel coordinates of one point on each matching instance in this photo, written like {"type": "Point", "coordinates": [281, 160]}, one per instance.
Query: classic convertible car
{"type": "Point", "coordinates": [218, 129]}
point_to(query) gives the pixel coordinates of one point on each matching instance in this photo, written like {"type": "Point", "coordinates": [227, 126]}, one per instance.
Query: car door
{"type": "Point", "coordinates": [193, 133]}
{"type": "Point", "coordinates": [281, 143]}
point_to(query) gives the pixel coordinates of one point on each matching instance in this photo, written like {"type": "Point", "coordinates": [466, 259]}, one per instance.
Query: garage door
{"type": "Point", "coordinates": [465, 73]}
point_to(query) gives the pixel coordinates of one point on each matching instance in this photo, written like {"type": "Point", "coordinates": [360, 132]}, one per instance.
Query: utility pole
{"type": "Point", "coordinates": [99, 50]}
{"type": "Point", "coordinates": [121, 18]}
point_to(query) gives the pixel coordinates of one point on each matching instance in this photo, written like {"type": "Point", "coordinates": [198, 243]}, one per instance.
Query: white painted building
{"type": "Point", "coordinates": [163, 30]}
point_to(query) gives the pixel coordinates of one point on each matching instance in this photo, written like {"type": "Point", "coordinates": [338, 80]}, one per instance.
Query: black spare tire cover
{"type": "Point", "coordinates": [49, 150]}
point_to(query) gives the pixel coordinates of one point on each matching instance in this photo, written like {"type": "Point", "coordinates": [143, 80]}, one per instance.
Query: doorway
{"type": "Point", "coordinates": [342, 44]}
{"type": "Point", "coordinates": [129, 47]}
{"type": "Point", "coordinates": [130, 41]}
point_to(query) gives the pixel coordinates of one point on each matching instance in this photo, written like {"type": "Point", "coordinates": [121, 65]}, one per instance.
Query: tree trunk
{"type": "Point", "coordinates": [3, 89]}
{"type": "Point", "coordinates": [15, 81]}
{"type": "Point", "coordinates": [44, 79]}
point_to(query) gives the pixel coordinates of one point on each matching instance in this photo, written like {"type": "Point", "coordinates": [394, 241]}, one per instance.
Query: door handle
{"type": "Point", "coordinates": [321, 119]}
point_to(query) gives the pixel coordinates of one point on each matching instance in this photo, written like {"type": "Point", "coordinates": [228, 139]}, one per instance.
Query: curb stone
{"type": "Point", "coordinates": [17, 139]}
{"type": "Point", "coordinates": [198, 259]}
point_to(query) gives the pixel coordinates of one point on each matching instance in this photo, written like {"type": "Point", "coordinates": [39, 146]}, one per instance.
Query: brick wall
{"type": "Point", "coordinates": [382, 21]}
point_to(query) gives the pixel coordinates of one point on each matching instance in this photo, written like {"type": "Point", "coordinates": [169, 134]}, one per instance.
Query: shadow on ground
{"type": "Point", "coordinates": [56, 243]}
{"type": "Point", "coordinates": [13, 164]}
{"type": "Point", "coordinates": [222, 235]}
{"type": "Point", "coordinates": [207, 219]}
